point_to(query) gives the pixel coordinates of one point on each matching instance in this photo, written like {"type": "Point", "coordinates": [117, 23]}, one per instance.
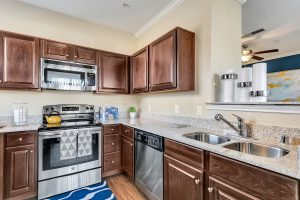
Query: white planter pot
{"type": "Point", "coordinates": [132, 115]}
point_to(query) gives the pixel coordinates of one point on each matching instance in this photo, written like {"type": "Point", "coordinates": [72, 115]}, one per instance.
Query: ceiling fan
{"type": "Point", "coordinates": [248, 54]}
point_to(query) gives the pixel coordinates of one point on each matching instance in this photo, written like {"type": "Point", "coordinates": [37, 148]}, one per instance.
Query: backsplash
{"type": "Point", "coordinates": [270, 134]}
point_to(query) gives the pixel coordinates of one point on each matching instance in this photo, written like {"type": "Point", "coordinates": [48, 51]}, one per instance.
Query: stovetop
{"type": "Point", "coordinates": [68, 125]}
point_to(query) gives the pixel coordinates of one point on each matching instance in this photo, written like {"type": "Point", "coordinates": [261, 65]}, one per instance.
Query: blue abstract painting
{"type": "Point", "coordinates": [284, 86]}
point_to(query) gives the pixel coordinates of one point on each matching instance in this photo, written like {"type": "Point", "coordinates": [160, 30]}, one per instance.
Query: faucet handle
{"type": "Point", "coordinates": [238, 117]}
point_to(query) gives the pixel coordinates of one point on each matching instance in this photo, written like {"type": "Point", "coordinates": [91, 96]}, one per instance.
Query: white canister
{"type": "Point", "coordinates": [228, 87]}
{"type": "Point", "coordinates": [259, 83]}
{"type": "Point", "coordinates": [244, 86]}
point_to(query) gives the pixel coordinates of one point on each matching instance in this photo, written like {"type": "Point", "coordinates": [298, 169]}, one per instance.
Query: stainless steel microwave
{"type": "Point", "coordinates": [62, 75]}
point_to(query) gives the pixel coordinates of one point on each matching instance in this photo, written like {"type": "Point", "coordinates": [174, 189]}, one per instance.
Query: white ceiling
{"type": "Point", "coordinates": [134, 19]}
{"type": "Point", "coordinates": [280, 18]}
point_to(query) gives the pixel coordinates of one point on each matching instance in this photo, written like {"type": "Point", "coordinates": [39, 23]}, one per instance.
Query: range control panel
{"type": "Point", "coordinates": [149, 139]}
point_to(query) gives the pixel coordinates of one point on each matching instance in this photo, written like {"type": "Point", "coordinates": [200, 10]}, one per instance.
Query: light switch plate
{"type": "Point", "coordinates": [149, 107]}
{"type": "Point", "coordinates": [176, 109]}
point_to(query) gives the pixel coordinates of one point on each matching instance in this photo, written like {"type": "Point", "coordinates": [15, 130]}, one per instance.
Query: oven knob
{"type": "Point", "coordinates": [46, 109]}
{"type": "Point", "coordinates": [52, 109]}
{"type": "Point", "coordinates": [91, 108]}
{"type": "Point", "coordinates": [87, 108]}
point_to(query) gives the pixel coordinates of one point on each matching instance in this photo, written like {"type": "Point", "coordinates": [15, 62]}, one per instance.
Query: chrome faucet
{"type": "Point", "coordinates": [243, 129]}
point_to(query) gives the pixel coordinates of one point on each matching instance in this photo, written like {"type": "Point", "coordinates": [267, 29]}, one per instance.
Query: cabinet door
{"type": "Point", "coordinates": [219, 190]}
{"type": "Point", "coordinates": [20, 174]}
{"type": "Point", "coordinates": [113, 73]}
{"type": "Point", "coordinates": [182, 181]}
{"type": "Point", "coordinates": [56, 50]}
{"type": "Point", "coordinates": [128, 156]}
{"type": "Point", "coordinates": [85, 55]}
{"type": "Point", "coordinates": [19, 61]}
{"type": "Point", "coordinates": [163, 63]}
{"type": "Point", "coordinates": [139, 71]}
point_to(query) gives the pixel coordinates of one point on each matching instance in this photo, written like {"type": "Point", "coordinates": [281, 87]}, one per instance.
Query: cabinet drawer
{"type": "Point", "coordinates": [128, 132]}
{"type": "Point", "coordinates": [19, 139]}
{"type": "Point", "coordinates": [111, 129]}
{"type": "Point", "coordinates": [255, 181]}
{"type": "Point", "coordinates": [112, 143]}
{"type": "Point", "coordinates": [112, 161]}
{"type": "Point", "coordinates": [185, 153]}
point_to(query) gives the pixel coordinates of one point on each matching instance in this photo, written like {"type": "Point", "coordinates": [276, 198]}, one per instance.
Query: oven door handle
{"type": "Point", "coordinates": [44, 135]}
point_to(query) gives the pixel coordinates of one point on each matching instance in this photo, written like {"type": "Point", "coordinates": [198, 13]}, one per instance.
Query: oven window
{"type": "Point", "coordinates": [61, 77]}
{"type": "Point", "coordinates": [51, 154]}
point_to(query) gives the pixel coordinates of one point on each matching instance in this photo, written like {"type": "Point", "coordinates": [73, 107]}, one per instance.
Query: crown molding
{"type": "Point", "coordinates": [159, 16]}
{"type": "Point", "coordinates": [242, 1]}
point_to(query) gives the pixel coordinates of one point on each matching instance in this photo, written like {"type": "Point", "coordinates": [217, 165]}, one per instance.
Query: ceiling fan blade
{"type": "Point", "coordinates": [253, 33]}
{"type": "Point", "coordinates": [257, 58]}
{"type": "Point", "coordinates": [267, 51]}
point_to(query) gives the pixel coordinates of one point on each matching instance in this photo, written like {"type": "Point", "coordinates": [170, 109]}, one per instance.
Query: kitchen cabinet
{"type": "Point", "coordinates": [19, 61]}
{"type": "Point", "coordinates": [66, 52]}
{"type": "Point", "coordinates": [219, 190]}
{"type": "Point", "coordinates": [112, 155]}
{"type": "Point", "coordinates": [183, 172]}
{"type": "Point", "coordinates": [172, 61]}
{"type": "Point", "coordinates": [20, 171]}
{"type": "Point", "coordinates": [128, 151]}
{"type": "Point", "coordinates": [139, 71]}
{"type": "Point", "coordinates": [252, 182]}
{"type": "Point", "coordinates": [113, 73]}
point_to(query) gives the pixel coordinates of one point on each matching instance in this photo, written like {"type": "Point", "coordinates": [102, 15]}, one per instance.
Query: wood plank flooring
{"type": "Point", "coordinates": [123, 188]}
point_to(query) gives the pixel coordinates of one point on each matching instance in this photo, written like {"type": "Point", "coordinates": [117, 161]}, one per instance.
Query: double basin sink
{"type": "Point", "coordinates": [244, 147]}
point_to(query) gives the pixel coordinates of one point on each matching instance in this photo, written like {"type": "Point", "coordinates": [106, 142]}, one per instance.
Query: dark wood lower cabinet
{"type": "Point", "coordinates": [219, 190]}
{"type": "Point", "coordinates": [128, 156]}
{"type": "Point", "coordinates": [182, 181]}
{"type": "Point", "coordinates": [20, 172]}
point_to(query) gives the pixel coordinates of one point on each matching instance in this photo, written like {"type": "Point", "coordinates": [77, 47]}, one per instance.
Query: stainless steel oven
{"type": "Point", "coordinates": [70, 152]}
{"type": "Point", "coordinates": [62, 75]}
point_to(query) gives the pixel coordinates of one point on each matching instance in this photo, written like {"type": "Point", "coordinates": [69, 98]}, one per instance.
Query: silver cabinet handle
{"type": "Point", "coordinates": [197, 181]}
{"type": "Point", "coordinates": [210, 189]}
{"type": "Point", "coordinates": [0, 81]}
{"type": "Point", "coordinates": [112, 161]}
{"type": "Point", "coordinates": [112, 129]}
{"type": "Point", "coordinates": [31, 151]}
{"type": "Point", "coordinates": [20, 139]}
{"type": "Point", "coordinates": [126, 131]}
{"type": "Point", "coordinates": [112, 144]}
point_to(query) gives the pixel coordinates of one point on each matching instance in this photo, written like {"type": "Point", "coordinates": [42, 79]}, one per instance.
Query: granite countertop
{"type": "Point", "coordinates": [288, 165]}
{"type": "Point", "coordinates": [9, 129]}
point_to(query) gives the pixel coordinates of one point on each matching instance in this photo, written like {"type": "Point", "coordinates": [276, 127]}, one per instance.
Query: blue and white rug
{"type": "Point", "coordinates": [98, 191]}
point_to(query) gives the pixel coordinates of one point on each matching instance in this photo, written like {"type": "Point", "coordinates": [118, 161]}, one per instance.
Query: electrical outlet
{"type": "Point", "coordinates": [199, 110]}
{"type": "Point", "coordinates": [176, 109]}
{"type": "Point", "coordinates": [149, 108]}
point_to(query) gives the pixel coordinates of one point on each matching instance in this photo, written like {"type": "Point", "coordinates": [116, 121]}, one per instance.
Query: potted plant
{"type": "Point", "coordinates": [132, 112]}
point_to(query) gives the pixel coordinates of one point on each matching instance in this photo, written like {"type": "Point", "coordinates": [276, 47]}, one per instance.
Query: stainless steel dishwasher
{"type": "Point", "coordinates": [149, 164]}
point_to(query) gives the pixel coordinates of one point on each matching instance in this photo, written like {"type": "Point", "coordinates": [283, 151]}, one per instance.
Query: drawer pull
{"type": "Point", "coordinates": [197, 181]}
{"type": "Point", "coordinates": [112, 161]}
{"type": "Point", "coordinates": [112, 129]}
{"type": "Point", "coordinates": [126, 131]}
{"type": "Point", "coordinates": [0, 81]}
{"type": "Point", "coordinates": [20, 139]}
{"type": "Point", "coordinates": [112, 144]}
{"type": "Point", "coordinates": [31, 151]}
{"type": "Point", "coordinates": [75, 57]}
{"type": "Point", "coordinates": [210, 189]}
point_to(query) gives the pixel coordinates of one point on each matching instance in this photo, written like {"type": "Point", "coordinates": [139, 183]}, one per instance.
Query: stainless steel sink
{"type": "Point", "coordinates": [207, 138]}
{"type": "Point", "coordinates": [257, 149]}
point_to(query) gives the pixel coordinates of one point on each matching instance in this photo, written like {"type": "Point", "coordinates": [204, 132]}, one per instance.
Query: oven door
{"type": "Point", "coordinates": [50, 163]}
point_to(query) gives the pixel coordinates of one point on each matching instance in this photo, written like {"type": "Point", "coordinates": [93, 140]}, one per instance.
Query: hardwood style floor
{"type": "Point", "coordinates": [123, 188]}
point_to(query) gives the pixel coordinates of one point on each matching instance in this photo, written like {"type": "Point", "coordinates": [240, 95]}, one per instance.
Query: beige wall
{"type": "Point", "coordinates": [217, 25]}
{"type": "Point", "coordinates": [22, 18]}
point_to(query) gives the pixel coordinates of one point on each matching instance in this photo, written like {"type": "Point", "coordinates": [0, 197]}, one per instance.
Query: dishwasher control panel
{"type": "Point", "coordinates": [149, 139]}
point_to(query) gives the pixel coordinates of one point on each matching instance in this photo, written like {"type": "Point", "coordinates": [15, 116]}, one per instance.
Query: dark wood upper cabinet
{"type": "Point", "coordinates": [67, 52]}
{"type": "Point", "coordinates": [85, 55]}
{"type": "Point", "coordinates": [139, 71]}
{"type": "Point", "coordinates": [113, 73]}
{"type": "Point", "coordinates": [19, 61]}
{"type": "Point", "coordinates": [172, 61]}
{"type": "Point", "coordinates": [55, 50]}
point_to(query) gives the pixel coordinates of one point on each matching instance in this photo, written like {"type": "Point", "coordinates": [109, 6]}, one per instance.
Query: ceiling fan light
{"type": "Point", "coordinates": [246, 58]}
